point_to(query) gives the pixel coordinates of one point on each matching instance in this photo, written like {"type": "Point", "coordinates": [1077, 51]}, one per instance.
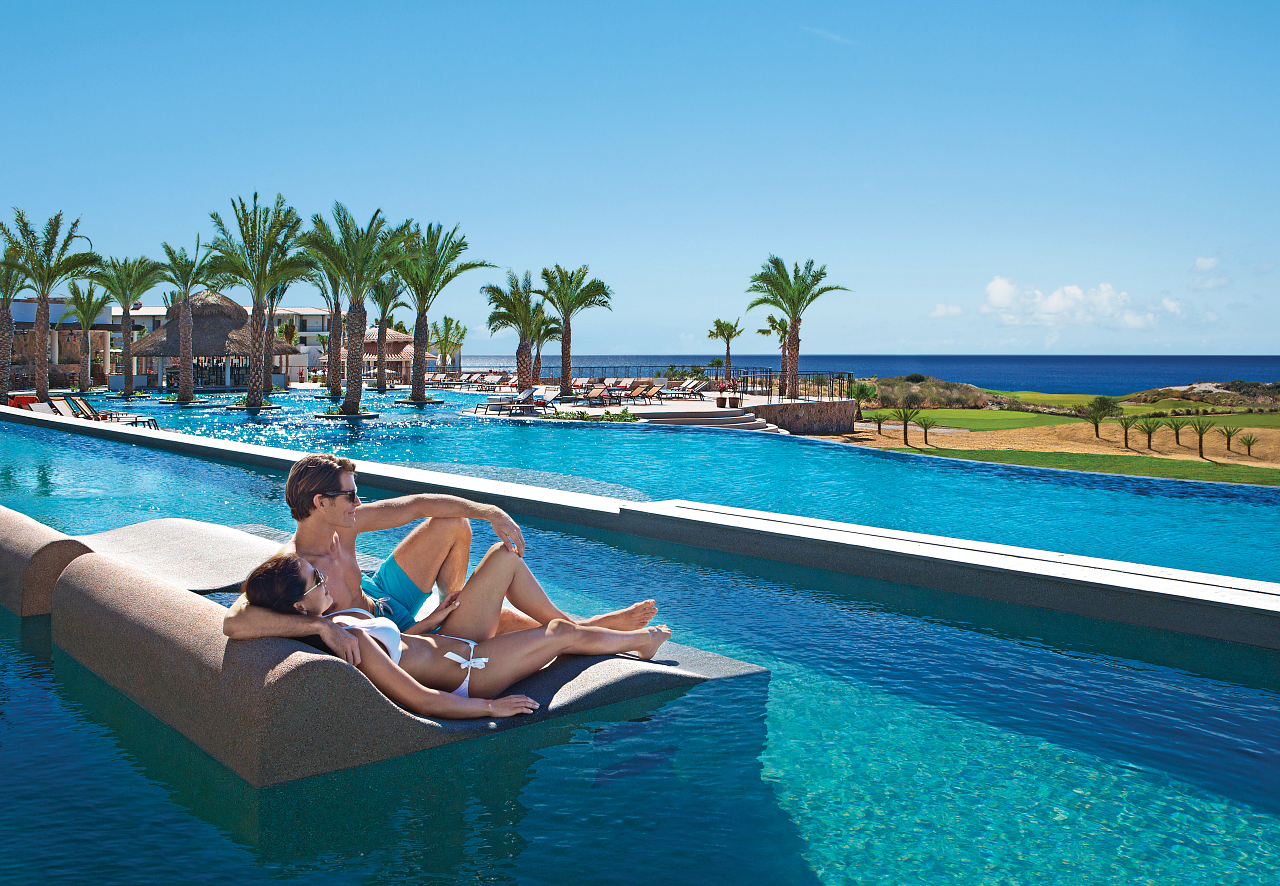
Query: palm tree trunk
{"type": "Point", "coordinates": [793, 359]}
{"type": "Point", "coordinates": [83, 381]}
{"type": "Point", "coordinates": [728, 363]}
{"type": "Point", "coordinates": [421, 334]}
{"type": "Point", "coordinates": [537, 363]}
{"type": "Point", "coordinates": [524, 364]}
{"type": "Point", "coordinates": [382, 356]}
{"type": "Point", "coordinates": [268, 352]}
{"type": "Point", "coordinates": [41, 355]}
{"type": "Point", "coordinates": [186, 368]}
{"type": "Point", "coordinates": [566, 348]}
{"type": "Point", "coordinates": [333, 371]}
{"type": "Point", "coordinates": [257, 326]}
{"type": "Point", "coordinates": [782, 371]}
{"type": "Point", "coordinates": [6, 352]}
{"type": "Point", "coordinates": [355, 359]}
{"type": "Point", "coordinates": [126, 348]}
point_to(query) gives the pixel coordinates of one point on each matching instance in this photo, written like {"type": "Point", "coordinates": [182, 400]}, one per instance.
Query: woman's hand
{"type": "Point", "coordinates": [511, 705]}
{"type": "Point", "coordinates": [437, 617]}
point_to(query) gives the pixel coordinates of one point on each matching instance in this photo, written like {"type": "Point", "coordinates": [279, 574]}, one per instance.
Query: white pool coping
{"type": "Point", "coordinates": [1222, 607]}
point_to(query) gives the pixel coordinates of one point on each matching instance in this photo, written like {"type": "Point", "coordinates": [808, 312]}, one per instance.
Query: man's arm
{"type": "Point", "coordinates": [395, 512]}
{"type": "Point", "coordinates": [245, 621]}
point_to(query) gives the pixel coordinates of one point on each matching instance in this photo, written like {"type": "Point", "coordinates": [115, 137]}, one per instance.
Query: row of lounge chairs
{"type": "Point", "coordinates": [78, 407]}
{"type": "Point", "coordinates": [584, 392]}
{"type": "Point", "coordinates": [471, 381]}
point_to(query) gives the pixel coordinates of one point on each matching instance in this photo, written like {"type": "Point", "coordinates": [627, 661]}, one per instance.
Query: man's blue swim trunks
{"type": "Point", "coordinates": [399, 597]}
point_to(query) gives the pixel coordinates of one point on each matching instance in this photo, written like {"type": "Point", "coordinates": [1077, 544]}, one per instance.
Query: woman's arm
{"type": "Point", "coordinates": [244, 621]}
{"type": "Point", "coordinates": [397, 685]}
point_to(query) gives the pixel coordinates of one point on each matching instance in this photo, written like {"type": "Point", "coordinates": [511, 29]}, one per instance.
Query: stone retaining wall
{"type": "Point", "coordinates": [834, 417]}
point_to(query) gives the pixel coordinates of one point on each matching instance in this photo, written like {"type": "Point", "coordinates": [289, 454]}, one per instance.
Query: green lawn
{"type": "Point", "coordinates": [986, 419]}
{"type": "Point", "coordinates": [1133, 465]}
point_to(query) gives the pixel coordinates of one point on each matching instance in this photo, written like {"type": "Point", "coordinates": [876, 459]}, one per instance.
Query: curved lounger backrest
{"type": "Point", "coordinates": [32, 556]}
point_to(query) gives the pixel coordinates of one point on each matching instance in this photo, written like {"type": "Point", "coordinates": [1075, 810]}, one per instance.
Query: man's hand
{"type": "Point", "coordinates": [341, 642]}
{"type": "Point", "coordinates": [507, 530]}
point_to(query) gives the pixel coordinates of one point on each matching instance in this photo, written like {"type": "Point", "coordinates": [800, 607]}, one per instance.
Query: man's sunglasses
{"type": "Point", "coordinates": [351, 494]}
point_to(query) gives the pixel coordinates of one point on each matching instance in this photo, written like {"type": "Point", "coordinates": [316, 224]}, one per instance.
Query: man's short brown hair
{"type": "Point", "coordinates": [312, 474]}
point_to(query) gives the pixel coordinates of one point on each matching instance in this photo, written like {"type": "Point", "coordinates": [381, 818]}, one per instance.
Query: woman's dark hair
{"type": "Point", "coordinates": [276, 584]}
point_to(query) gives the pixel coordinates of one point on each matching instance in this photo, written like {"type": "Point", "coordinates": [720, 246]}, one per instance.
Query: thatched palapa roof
{"type": "Point", "coordinates": [219, 328]}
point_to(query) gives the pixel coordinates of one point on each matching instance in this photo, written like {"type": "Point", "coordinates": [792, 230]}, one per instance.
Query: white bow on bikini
{"type": "Point", "coordinates": [464, 663]}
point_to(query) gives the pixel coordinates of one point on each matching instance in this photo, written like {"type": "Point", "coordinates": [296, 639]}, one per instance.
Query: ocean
{"type": "Point", "coordinates": [1112, 376]}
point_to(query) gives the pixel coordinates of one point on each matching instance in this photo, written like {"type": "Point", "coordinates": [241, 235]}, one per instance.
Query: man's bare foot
{"type": "Point", "coordinates": [657, 636]}
{"type": "Point", "coordinates": [633, 618]}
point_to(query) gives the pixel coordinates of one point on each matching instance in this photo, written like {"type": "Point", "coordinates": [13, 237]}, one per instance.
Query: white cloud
{"type": "Point", "coordinates": [1173, 307]}
{"type": "Point", "coordinates": [946, 311]}
{"type": "Point", "coordinates": [1210, 317]}
{"type": "Point", "coordinates": [1071, 305]}
{"type": "Point", "coordinates": [1206, 264]}
{"type": "Point", "coordinates": [1204, 282]}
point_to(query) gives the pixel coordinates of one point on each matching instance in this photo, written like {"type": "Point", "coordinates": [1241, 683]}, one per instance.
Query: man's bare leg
{"type": "Point", "coordinates": [436, 552]}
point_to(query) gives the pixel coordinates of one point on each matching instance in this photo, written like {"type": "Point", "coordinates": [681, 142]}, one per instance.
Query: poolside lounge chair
{"type": "Point", "coordinates": [62, 407]}
{"type": "Point", "coordinates": [599, 395]}
{"type": "Point", "coordinates": [127, 418]}
{"type": "Point", "coordinates": [643, 392]}
{"type": "Point", "coordinates": [43, 408]}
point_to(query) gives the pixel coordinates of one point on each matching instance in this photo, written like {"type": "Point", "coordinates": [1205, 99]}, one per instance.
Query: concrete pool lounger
{"type": "Point", "coordinates": [1219, 607]}
{"type": "Point", "coordinates": [272, 710]}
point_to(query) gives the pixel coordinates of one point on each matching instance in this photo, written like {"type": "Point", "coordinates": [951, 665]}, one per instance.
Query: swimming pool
{"type": "Point", "coordinates": [1207, 527]}
{"type": "Point", "coordinates": [906, 736]}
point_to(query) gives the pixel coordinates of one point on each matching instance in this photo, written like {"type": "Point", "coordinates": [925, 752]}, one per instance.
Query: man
{"type": "Point", "coordinates": [323, 498]}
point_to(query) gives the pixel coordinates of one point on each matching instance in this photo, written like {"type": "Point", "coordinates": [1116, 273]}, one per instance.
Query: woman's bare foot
{"type": "Point", "coordinates": [634, 617]}
{"type": "Point", "coordinates": [657, 636]}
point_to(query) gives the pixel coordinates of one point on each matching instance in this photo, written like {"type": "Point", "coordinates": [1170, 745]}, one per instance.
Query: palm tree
{"type": "Point", "coordinates": [325, 277]}
{"type": "Point", "coordinates": [1248, 441]}
{"type": "Point", "coordinates": [448, 336]}
{"type": "Point", "coordinates": [859, 392]}
{"type": "Point", "coordinates": [45, 261]}
{"type": "Point", "coordinates": [1126, 422]}
{"type": "Point", "coordinates": [778, 328]}
{"type": "Point", "coordinates": [288, 332]}
{"type": "Point", "coordinates": [1096, 410]}
{"type": "Point", "coordinates": [360, 257]}
{"type": "Point", "coordinates": [1229, 432]}
{"type": "Point", "coordinates": [1176, 425]}
{"type": "Point", "coordinates": [275, 295]}
{"type": "Point", "coordinates": [726, 332]}
{"type": "Point", "coordinates": [570, 292]}
{"type": "Point", "coordinates": [260, 254]}
{"type": "Point", "coordinates": [514, 308]}
{"type": "Point", "coordinates": [926, 424]}
{"type": "Point", "coordinates": [11, 280]}
{"type": "Point", "coordinates": [905, 414]}
{"type": "Point", "coordinates": [546, 329]}
{"type": "Point", "coordinates": [84, 306]}
{"type": "Point", "coordinates": [792, 293]}
{"type": "Point", "coordinates": [879, 418]}
{"type": "Point", "coordinates": [187, 272]}
{"type": "Point", "coordinates": [126, 280]}
{"type": "Point", "coordinates": [430, 261]}
{"type": "Point", "coordinates": [1201, 426]}
{"type": "Point", "coordinates": [1149, 426]}
{"type": "Point", "coordinates": [385, 296]}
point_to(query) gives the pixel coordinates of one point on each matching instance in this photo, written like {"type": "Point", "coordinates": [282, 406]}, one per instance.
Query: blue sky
{"type": "Point", "coordinates": [1087, 178]}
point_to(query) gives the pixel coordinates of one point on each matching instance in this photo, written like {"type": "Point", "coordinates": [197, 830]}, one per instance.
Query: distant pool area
{"type": "Point", "coordinates": [907, 735]}
{"type": "Point", "coordinates": [1217, 528]}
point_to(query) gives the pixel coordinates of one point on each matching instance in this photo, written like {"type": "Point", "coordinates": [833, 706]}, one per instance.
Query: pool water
{"type": "Point", "coordinates": [1209, 527]}
{"type": "Point", "coordinates": [905, 736]}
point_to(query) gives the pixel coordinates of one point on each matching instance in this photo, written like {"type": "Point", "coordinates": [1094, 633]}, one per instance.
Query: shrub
{"type": "Point", "coordinates": [915, 378]}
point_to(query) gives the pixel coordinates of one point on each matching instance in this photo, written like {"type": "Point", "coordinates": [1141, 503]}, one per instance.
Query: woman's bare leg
{"type": "Point", "coordinates": [513, 657]}
{"type": "Point", "coordinates": [500, 575]}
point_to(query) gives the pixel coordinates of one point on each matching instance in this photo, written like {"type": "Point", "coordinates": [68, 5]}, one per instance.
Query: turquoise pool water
{"type": "Point", "coordinates": [906, 736]}
{"type": "Point", "coordinates": [1208, 527]}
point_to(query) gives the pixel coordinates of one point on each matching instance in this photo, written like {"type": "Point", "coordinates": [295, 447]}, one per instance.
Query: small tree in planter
{"type": "Point", "coordinates": [729, 390]}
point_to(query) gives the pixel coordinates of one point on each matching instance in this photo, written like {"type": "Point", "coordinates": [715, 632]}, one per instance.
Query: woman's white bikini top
{"type": "Point", "coordinates": [384, 630]}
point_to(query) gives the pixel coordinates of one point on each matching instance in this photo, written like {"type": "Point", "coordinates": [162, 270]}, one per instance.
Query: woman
{"type": "Point", "coordinates": [435, 675]}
